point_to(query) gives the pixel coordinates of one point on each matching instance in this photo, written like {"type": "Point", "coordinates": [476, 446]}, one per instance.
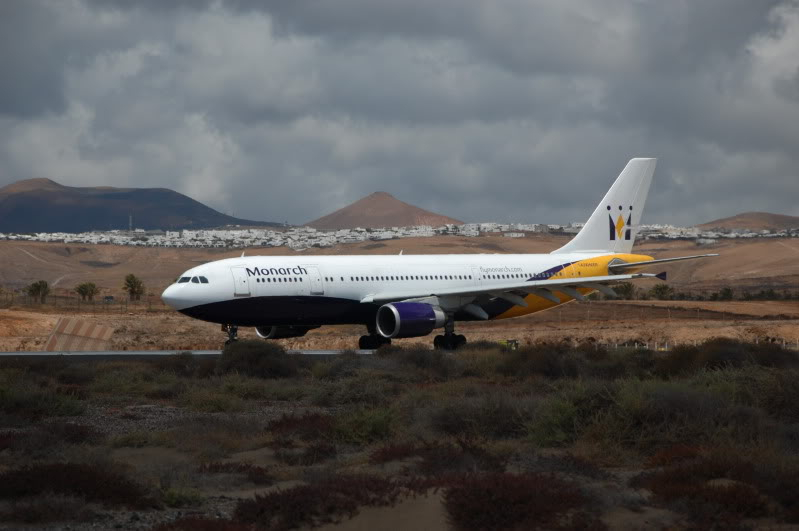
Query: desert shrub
{"type": "Point", "coordinates": [211, 401]}
{"type": "Point", "coordinates": [437, 365]}
{"type": "Point", "coordinates": [464, 456]}
{"type": "Point", "coordinates": [673, 454]}
{"type": "Point", "coordinates": [510, 501]}
{"type": "Point", "coordinates": [565, 414]}
{"type": "Point", "coordinates": [365, 426]}
{"type": "Point", "coordinates": [257, 474]}
{"type": "Point", "coordinates": [33, 403]}
{"type": "Point", "coordinates": [310, 455]}
{"type": "Point", "coordinates": [391, 452]}
{"type": "Point", "coordinates": [345, 365]}
{"type": "Point", "coordinates": [216, 437]}
{"type": "Point", "coordinates": [136, 439]}
{"type": "Point", "coordinates": [719, 487]}
{"type": "Point", "coordinates": [480, 362]}
{"type": "Point", "coordinates": [166, 391]}
{"type": "Point", "coordinates": [722, 353]}
{"type": "Point", "coordinates": [327, 501]}
{"type": "Point", "coordinates": [181, 497]}
{"type": "Point", "coordinates": [47, 507]}
{"type": "Point", "coordinates": [494, 415]}
{"type": "Point", "coordinates": [199, 523]}
{"type": "Point", "coordinates": [181, 364]}
{"type": "Point", "coordinates": [774, 390]}
{"type": "Point", "coordinates": [41, 439]}
{"type": "Point", "coordinates": [244, 387]}
{"type": "Point", "coordinates": [651, 414]}
{"type": "Point", "coordinates": [550, 361]}
{"type": "Point", "coordinates": [307, 427]}
{"type": "Point", "coordinates": [567, 465]}
{"type": "Point", "coordinates": [92, 482]}
{"type": "Point", "coordinates": [260, 359]}
{"type": "Point", "coordinates": [367, 388]}
{"type": "Point", "coordinates": [599, 363]}
{"type": "Point", "coordinates": [76, 374]}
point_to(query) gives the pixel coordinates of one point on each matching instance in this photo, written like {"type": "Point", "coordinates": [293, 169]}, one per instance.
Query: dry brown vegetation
{"type": "Point", "coordinates": [549, 436]}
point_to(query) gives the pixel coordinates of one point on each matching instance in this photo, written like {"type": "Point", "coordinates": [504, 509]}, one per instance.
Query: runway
{"type": "Point", "coordinates": [107, 355]}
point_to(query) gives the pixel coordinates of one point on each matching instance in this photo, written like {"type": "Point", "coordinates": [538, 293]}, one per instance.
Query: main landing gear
{"type": "Point", "coordinates": [450, 340]}
{"type": "Point", "coordinates": [372, 342]}
{"type": "Point", "coordinates": [232, 331]}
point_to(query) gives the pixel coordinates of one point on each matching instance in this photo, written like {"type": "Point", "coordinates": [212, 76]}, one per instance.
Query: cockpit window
{"type": "Point", "coordinates": [203, 280]}
{"type": "Point", "coordinates": [195, 280]}
{"type": "Point", "coordinates": [183, 280]}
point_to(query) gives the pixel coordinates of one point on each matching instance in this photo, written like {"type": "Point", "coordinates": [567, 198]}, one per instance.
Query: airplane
{"type": "Point", "coordinates": [402, 296]}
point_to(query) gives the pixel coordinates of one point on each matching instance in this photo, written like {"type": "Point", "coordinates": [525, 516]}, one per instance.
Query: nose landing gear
{"type": "Point", "coordinates": [232, 333]}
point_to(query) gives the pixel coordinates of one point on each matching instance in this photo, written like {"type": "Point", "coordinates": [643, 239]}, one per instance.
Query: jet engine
{"type": "Point", "coordinates": [282, 332]}
{"type": "Point", "coordinates": [408, 319]}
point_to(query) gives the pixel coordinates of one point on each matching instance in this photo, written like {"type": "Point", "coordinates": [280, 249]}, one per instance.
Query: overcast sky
{"type": "Point", "coordinates": [508, 110]}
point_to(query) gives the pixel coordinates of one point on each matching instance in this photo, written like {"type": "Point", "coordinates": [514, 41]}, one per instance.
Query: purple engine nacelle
{"type": "Point", "coordinates": [282, 332]}
{"type": "Point", "coordinates": [408, 319]}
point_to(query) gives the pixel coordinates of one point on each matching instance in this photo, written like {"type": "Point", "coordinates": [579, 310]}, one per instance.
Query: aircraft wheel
{"type": "Point", "coordinates": [438, 343]}
{"type": "Point", "coordinates": [460, 340]}
{"type": "Point", "coordinates": [372, 342]}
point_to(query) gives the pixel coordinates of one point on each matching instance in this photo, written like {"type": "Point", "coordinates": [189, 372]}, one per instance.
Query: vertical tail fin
{"type": "Point", "coordinates": [613, 225]}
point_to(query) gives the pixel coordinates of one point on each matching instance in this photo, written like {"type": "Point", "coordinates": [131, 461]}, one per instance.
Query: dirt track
{"type": "Point", "coordinates": [606, 322]}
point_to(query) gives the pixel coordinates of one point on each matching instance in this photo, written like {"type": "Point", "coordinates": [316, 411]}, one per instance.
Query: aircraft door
{"type": "Point", "coordinates": [241, 282]}
{"type": "Point", "coordinates": [317, 287]}
{"type": "Point", "coordinates": [476, 277]}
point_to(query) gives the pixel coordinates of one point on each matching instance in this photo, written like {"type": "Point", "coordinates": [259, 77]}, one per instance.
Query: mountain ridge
{"type": "Point", "coordinates": [378, 210]}
{"type": "Point", "coordinates": [43, 205]}
{"type": "Point", "coordinates": [753, 221]}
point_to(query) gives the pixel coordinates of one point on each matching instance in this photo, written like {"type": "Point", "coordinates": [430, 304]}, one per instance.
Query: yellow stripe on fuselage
{"type": "Point", "coordinates": [582, 270]}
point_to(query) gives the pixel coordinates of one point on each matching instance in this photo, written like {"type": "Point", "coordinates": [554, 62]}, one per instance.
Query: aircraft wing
{"type": "Point", "coordinates": [515, 291]}
{"type": "Point", "coordinates": [621, 266]}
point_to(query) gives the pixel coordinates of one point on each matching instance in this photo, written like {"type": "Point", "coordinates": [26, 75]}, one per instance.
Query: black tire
{"type": "Point", "coordinates": [460, 340]}
{"type": "Point", "coordinates": [438, 343]}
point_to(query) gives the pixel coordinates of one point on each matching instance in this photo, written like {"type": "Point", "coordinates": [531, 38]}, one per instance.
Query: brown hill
{"type": "Point", "coordinates": [753, 221]}
{"type": "Point", "coordinates": [380, 210]}
{"type": "Point", "coordinates": [42, 205]}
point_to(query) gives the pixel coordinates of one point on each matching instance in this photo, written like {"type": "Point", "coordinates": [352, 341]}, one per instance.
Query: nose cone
{"type": "Point", "coordinates": [170, 297]}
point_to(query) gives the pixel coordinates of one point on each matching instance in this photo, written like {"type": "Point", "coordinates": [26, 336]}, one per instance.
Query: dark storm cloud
{"type": "Point", "coordinates": [516, 110]}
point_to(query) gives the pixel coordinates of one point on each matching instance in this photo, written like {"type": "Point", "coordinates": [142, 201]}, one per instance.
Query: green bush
{"type": "Point", "coordinates": [181, 497]}
{"type": "Point", "coordinates": [365, 426]}
{"type": "Point", "coordinates": [494, 415]}
{"type": "Point", "coordinates": [550, 361]}
{"type": "Point", "coordinates": [211, 401]}
{"type": "Point", "coordinates": [367, 388]}
{"type": "Point", "coordinates": [721, 353]}
{"type": "Point", "coordinates": [94, 483]}
{"type": "Point", "coordinates": [256, 358]}
{"type": "Point", "coordinates": [33, 403]}
{"type": "Point", "coordinates": [564, 415]}
{"type": "Point", "coordinates": [652, 414]}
